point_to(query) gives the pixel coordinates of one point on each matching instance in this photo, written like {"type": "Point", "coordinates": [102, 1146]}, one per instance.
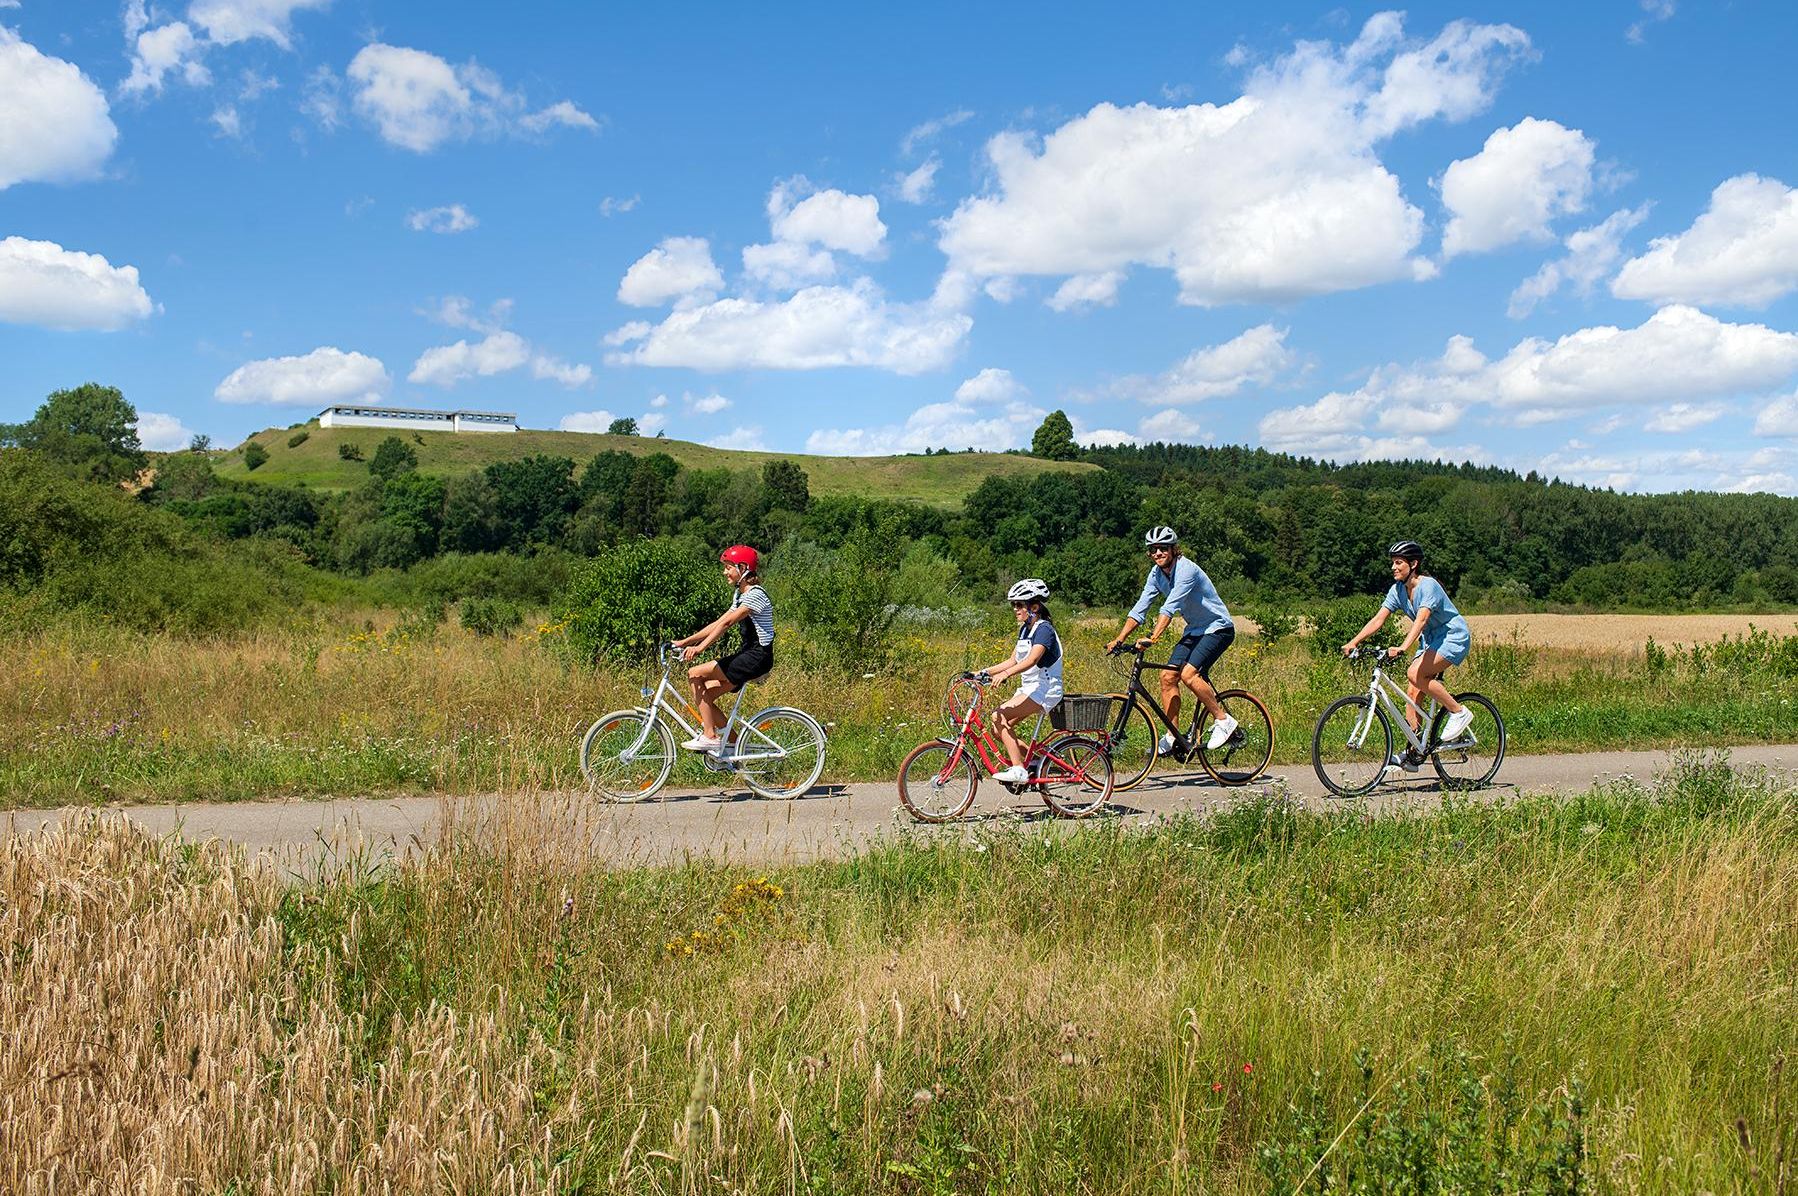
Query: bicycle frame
{"type": "Point", "coordinates": [1138, 690]}
{"type": "Point", "coordinates": [1382, 690]}
{"type": "Point", "coordinates": [660, 704]}
{"type": "Point", "coordinates": [973, 730]}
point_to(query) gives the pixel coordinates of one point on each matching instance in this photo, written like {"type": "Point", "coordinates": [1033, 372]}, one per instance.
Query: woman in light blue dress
{"type": "Point", "coordinates": [1438, 633]}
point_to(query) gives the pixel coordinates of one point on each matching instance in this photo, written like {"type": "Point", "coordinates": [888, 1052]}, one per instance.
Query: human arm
{"type": "Point", "coordinates": [1010, 668]}
{"type": "Point", "coordinates": [1374, 624]}
{"type": "Point", "coordinates": [708, 635]}
{"type": "Point", "coordinates": [1417, 624]}
{"type": "Point", "coordinates": [1161, 622]}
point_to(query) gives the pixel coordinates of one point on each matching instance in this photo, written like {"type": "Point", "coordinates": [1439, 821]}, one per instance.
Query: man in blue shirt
{"type": "Point", "coordinates": [1209, 630]}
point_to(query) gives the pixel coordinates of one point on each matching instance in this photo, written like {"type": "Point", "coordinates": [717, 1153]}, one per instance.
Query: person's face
{"type": "Point", "coordinates": [733, 572]}
{"type": "Point", "coordinates": [1401, 569]}
{"type": "Point", "coordinates": [1022, 611]}
{"type": "Point", "coordinates": [1162, 555]}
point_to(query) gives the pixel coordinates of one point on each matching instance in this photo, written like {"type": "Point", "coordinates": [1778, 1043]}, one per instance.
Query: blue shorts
{"type": "Point", "coordinates": [1200, 649]}
{"type": "Point", "coordinates": [1452, 647]}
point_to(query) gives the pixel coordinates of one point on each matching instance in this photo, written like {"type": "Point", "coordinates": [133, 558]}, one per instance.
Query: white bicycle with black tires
{"type": "Point", "coordinates": [1352, 747]}
{"type": "Point", "coordinates": [627, 755]}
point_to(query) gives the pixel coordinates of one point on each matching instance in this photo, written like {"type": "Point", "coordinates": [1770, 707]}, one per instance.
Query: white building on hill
{"type": "Point", "coordinates": [418, 419]}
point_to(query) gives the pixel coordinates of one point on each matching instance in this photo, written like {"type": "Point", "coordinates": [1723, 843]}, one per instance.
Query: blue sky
{"type": "Point", "coordinates": [1548, 236]}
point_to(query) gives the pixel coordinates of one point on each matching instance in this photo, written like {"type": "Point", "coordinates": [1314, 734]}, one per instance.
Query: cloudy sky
{"type": "Point", "coordinates": [1560, 237]}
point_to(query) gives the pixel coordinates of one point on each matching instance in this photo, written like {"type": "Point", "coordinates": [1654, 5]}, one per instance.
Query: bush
{"type": "Point", "coordinates": [254, 456]}
{"type": "Point", "coordinates": [1277, 623]}
{"type": "Point", "coordinates": [848, 599]}
{"type": "Point", "coordinates": [1335, 622]}
{"type": "Point", "coordinates": [349, 451]}
{"type": "Point", "coordinates": [299, 438]}
{"type": "Point", "coordinates": [625, 601]}
{"type": "Point", "coordinates": [491, 616]}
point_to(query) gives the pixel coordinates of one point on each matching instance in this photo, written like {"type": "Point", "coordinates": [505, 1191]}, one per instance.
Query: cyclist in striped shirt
{"type": "Point", "coordinates": [753, 658]}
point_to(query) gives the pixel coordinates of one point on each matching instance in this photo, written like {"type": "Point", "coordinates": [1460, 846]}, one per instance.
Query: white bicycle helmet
{"type": "Point", "coordinates": [1031, 589]}
{"type": "Point", "coordinates": [1158, 537]}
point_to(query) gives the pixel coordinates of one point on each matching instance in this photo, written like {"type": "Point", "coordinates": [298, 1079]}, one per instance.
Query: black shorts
{"type": "Point", "coordinates": [746, 664]}
{"type": "Point", "coordinates": [1201, 649]}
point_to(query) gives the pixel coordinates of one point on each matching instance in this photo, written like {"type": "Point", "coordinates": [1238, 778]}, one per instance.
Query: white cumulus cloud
{"type": "Point", "coordinates": [710, 404]}
{"type": "Point", "coordinates": [418, 101]}
{"type": "Point", "coordinates": [1676, 359]}
{"type": "Point", "coordinates": [678, 268]}
{"type": "Point", "coordinates": [1087, 290]}
{"type": "Point", "coordinates": [43, 284]}
{"type": "Point", "coordinates": [915, 186]}
{"type": "Point", "coordinates": [990, 386]}
{"type": "Point", "coordinates": [1172, 426]}
{"type": "Point", "coordinates": [833, 219]}
{"type": "Point", "coordinates": [230, 21]}
{"type": "Point", "coordinates": [161, 433]}
{"type": "Point", "coordinates": [586, 421]}
{"type": "Point", "coordinates": [1778, 418]}
{"type": "Point", "coordinates": [453, 218]}
{"type": "Point", "coordinates": [788, 265]}
{"type": "Point", "coordinates": [1683, 417]}
{"type": "Point", "coordinates": [499, 352]}
{"type": "Point", "coordinates": [320, 378]}
{"type": "Point", "coordinates": [742, 439]}
{"type": "Point", "coordinates": [1742, 250]}
{"type": "Point", "coordinates": [815, 328]}
{"type": "Point", "coordinates": [1274, 196]}
{"type": "Point", "coordinates": [1592, 253]}
{"type": "Point", "coordinates": [1253, 358]}
{"type": "Point", "coordinates": [55, 126]}
{"type": "Point", "coordinates": [935, 425]}
{"type": "Point", "coordinates": [171, 48]}
{"type": "Point", "coordinates": [1524, 177]}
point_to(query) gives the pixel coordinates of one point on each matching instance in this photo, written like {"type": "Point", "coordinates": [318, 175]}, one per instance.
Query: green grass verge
{"type": "Point", "coordinates": [1547, 997]}
{"type": "Point", "coordinates": [938, 480]}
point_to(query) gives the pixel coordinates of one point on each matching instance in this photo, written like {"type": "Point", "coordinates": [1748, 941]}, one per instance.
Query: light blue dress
{"type": "Point", "coordinates": [1446, 634]}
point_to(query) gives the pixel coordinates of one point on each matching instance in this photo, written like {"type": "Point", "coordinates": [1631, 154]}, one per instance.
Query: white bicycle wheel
{"type": "Point", "coordinates": [619, 777]}
{"type": "Point", "coordinates": [779, 752]}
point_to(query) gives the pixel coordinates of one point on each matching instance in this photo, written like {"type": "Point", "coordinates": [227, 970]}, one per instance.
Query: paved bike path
{"type": "Point", "coordinates": [831, 821]}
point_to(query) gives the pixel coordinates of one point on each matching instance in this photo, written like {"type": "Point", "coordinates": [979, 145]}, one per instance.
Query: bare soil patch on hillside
{"type": "Point", "coordinates": [1622, 632]}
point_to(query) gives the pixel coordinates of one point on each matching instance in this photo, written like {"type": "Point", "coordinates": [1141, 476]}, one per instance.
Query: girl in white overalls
{"type": "Point", "coordinates": [1038, 657]}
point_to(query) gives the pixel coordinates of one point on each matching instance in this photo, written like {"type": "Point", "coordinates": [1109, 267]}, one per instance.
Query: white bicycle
{"type": "Point", "coordinates": [1352, 746]}
{"type": "Point", "coordinates": [626, 755]}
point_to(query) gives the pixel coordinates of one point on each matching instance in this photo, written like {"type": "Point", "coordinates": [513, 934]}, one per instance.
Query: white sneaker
{"type": "Point", "coordinates": [1220, 733]}
{"type": "Point", "coordinates": [1017, 774]}
{"type": "Point", "coordinates": [703, 743]}
{"type": "Point", "coordinates": [1165, 745]}
{"type": "Point", "coordinates": [1403, 760]}
{"type": "Point", "coordinates": [1456, 724]}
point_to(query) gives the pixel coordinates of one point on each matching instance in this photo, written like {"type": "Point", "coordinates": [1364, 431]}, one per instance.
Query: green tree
{"type": "Point", "coordinates": [393, 456]}
{"type": "Point", "coordinates": [629, 598]}
{"type": "Point", "coordinates": [785, 486]}
{"type": "Point", "coordinates": [533, 497]}
{"type": "Point", "coordinates": [90, 431]}
{"type": "Point", "coordinates": [622, 427]}
{"type": "Point", "coordinates": [254, 456]}
{"type": "Point", "coordinates": [847, 598]}
{"type": "Point", "coordinates": [1054, 439]}
{"type": "Point", "coordinates": [200, 443]}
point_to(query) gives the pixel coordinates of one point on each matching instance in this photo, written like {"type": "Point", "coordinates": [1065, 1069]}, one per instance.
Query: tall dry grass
{"type": "Point", "coordinates": [1139, 1011]}
{"type": "Point", "coordinates": [96, 714]}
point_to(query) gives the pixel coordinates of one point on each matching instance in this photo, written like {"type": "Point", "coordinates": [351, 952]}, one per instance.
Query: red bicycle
{"type": "Point", "coordinates": [938, 779]}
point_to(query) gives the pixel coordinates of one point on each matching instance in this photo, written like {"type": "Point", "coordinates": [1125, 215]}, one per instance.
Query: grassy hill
{"type": "Point", "coordinates": [939, 481]}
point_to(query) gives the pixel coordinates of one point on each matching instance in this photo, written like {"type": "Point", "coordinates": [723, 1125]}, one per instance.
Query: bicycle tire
{"type": "Point", "coordinates": [799, 736]}
{"type": "Point", "coordinates": [1461, 768]}
{"type": "Point", "coordinates": [1348, 770]}
{"type": "Point", "coordinates": [1245, 755]}
{"type": "Point", "coordinates": [1140, 747]}
{"type": "Point", "coordinates": [928, 788]}
{"type": "Point", "coordinates": [611, 776]}
{"type": "Point", "coordinates": [1074, 776]}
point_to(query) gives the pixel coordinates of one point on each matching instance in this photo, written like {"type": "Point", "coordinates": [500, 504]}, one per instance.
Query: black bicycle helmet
{"type": "Point", "coordinates": [1407, 550]}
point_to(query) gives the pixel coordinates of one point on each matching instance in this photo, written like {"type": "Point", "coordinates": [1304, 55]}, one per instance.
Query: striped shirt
{"type": "Point", "coordinates": [761, 613]}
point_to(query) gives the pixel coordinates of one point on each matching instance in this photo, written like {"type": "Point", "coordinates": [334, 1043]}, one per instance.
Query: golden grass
{"type": "Point", "coordinates": [1116, 1012]}
{"type": "Point", "coordinates": [1624, 633]}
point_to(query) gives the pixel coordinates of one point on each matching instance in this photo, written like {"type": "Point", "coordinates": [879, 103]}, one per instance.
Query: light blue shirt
{"type": "Point", "coordinates": [1430, 596]}
{"type": "Point", "coordinates": [1190, 595]}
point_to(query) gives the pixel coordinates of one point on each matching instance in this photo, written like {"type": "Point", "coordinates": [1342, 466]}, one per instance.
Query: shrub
{"type": "Point", "coordinates": [254, 456]}
{"type": "Point", "coordinates": [1277, 623]}
{"type": "Point", "coordinates": [1335, 622]}
{"type": "Point", "coordinates": [491, 616]}
{"type": "Point", "coordinates": [299, 438]}
{"type": "Point", "coordinates": [349, 451]}
{"type": "Point", "coordinates": [848, 599]}
{"type": "Point", "coordinates": [625, 601]}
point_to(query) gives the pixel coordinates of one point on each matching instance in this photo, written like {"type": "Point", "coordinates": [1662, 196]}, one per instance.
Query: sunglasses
{"type": "Point", "coordinates": [1158, 549]}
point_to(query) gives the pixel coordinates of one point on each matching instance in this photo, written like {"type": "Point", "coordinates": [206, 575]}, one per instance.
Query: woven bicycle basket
{"type": "Point", "coordinates": [1082, 712]}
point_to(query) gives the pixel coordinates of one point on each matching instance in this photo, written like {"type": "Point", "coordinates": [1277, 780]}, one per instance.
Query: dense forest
{"type": "Point", "coordinates": [1269, 527]}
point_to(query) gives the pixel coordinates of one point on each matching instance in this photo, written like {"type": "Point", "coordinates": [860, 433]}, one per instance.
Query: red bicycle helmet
{"type": "Point", "coordinates": [740, 554]}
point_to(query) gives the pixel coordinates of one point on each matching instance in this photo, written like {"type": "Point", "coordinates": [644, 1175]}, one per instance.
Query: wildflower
{"type": "Point", "coordinates": [1217, 1086]}
{"type": "Point", "coordinates": [1248, 1069]}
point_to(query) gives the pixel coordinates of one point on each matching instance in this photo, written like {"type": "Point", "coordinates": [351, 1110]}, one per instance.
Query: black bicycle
{"type": "Point", "coordinates": [1121, 722]}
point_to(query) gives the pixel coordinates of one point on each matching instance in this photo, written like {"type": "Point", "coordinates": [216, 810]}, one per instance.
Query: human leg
{"type": "Point", "coordinates": [1005, 720]}
{"type": "Point", "coordinates": [709, 684]}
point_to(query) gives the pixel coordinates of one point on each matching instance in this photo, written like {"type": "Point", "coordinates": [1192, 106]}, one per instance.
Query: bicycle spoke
{"type": "Point", "coordinates": [620, 762]}
{"type": "Point", "coordinates": [1351, 745]}
{"type": "Point", "coordinates": [1074, 775]}
{"type": "Point", "coordinates": [936, 781]}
